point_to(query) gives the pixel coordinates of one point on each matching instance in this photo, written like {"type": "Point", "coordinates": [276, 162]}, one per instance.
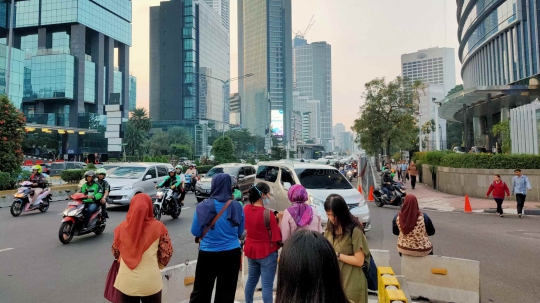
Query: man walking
{"type": "Point", "coordinates": [404, 168]}
{"type": "Point", "coordinates": [520, 184]}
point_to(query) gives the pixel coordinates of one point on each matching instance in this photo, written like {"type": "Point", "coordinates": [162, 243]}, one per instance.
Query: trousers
{"type": "Point", "coordinates": [266, 270]}
{"type": "Point", "coordinates": [520, 199]}
{"type": "Point", "coordinates": [499, 202]}
{"type": "Point", "coordinates": [155, 298]}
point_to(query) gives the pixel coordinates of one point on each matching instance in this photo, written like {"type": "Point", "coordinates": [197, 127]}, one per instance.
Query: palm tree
{"type": "Point", "coordinates": [139, 118]}
{"type": "Point", "coordinates": [135, 138]}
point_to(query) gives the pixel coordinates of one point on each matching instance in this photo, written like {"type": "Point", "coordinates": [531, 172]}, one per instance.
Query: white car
{"type": "Point", "coordinates": [319, 180]}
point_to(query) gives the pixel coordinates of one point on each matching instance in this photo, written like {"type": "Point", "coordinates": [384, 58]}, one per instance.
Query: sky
{"type": "Point", "coordinates": [367, 37]}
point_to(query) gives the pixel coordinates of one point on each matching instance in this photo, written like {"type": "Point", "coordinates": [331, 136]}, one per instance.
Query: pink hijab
{"type": "Point", "coordinates": [301, 212]}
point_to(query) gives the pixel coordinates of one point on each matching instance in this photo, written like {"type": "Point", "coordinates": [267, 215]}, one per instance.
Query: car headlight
{"type": "Point", "coordinates": [362, 202]}
{"type": "Point", "coordinates": [315, 201]}
{"type": "Point", "coordinates": [128, 187]}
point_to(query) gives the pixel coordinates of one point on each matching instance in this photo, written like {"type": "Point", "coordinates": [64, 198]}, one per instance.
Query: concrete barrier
{"type": "Point", "coordinates": [175, 279]}
{"type": "Point", "coordinates": [442, 278]}
{"type": "Point", "coordinates": [381, 257]}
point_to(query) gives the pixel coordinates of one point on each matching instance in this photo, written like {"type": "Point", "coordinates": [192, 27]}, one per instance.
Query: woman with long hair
{"type": "Point", "coordinates": [305, 277]}
{"type": "Point", "coordinates": [299, 216]}
{"type": "Point", "coordinates": [143, 247]}
{"type": "Point", "coordinates": [261, 243]}
{"type": "Point", "coordinates": [413, 229]}
{"type": "Point", "coordinates": [219, 252]}
{"type": "Point", "coordinates": [346, 234]}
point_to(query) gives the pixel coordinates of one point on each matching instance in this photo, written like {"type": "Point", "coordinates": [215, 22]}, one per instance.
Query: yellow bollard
{"type": "Point", "coordinates": [380, 272]}
{"type": "Point", "coordinates": [393, 295]}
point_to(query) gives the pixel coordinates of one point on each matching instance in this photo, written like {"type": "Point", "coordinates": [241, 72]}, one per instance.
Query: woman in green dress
{"type": "Point", "coordinates": [346, 234]}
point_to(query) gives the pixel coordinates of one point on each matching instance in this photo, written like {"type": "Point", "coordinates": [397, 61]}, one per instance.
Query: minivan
{"type": "Point", "coordinates": [319, 180]}
{"type": "Point", "coordinates": [133, 178]}
{"type": "Point", "coordinates": [244, 173]}
{"type": "Point", "coordinates": [58, 167]}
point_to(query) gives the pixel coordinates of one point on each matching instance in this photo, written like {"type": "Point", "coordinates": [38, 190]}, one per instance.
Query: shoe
{"type": "Point", "coordinates": [501, 215]}
{"type": "Point", "coordinates": [107, 215]}
{"type": "Point", "coordinates": [182, 204]}
{"type": "Point", "coordinates": [520, 215]}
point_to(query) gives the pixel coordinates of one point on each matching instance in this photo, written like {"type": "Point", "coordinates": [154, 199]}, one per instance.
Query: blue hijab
{"type": "Point", "coordinates": [221, 191]}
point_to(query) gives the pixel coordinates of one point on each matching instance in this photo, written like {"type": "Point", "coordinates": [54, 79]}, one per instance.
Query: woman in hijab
{"type": "Point", "coordinates": [300, 216]}
{"type": "Point", "coordinates": [219, 251]}
{"type": "Point", "coordinates": [413, 228]}
{"type": "Point", "coordinates": [143, 247]}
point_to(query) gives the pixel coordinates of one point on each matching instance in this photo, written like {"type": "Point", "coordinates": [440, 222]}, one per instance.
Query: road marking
{"type": "Point", "coordinates": [186, 208]}
{"type": "Point", "coordinates": [6, 249]}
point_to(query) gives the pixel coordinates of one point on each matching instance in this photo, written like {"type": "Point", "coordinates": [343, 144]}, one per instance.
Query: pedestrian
{"type": "Point", "coordinates": [413, 229]}
{"type": "Point", "coordinates": [520, 184]}
{"type": "Point", "coordinates": [143, 247]}
{"type": "Point", "coordinates": [346, 234]}
{"type": "Point", "coordinates": [218, 223]}
{"type": "Point", "coordinates": [404, 168]}
{"type": "Point", "coordinates": [398, 167]}
{"type": "Point", "coordinates": [262, 243]}
{"type": "Point", "coordinates": [413, 172]}
{"type": "Point", "coordinates": [299, 216]}
{"type": "Point", "coordinates": [498, 187]}
{"type": "Point", "coordinates": [307, 277]}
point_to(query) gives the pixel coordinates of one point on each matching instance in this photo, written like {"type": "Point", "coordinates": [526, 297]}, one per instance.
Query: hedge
{"type": "Point", "coordinates": [5, 181]}
{"type": "Point", "coordinates": [203, 169]}
{"type": "Point", "coordinates": [72, 175]}
{"type": "Point", "coordinates": [479, 161]}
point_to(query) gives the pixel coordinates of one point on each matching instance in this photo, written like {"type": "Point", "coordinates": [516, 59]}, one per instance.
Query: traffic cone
{"type": "Point", "coordinates": [468, 208]}
{"type": "Point", "coordinates": [370, 196]}
{"type": "Point", "coordinates": [360, 188]}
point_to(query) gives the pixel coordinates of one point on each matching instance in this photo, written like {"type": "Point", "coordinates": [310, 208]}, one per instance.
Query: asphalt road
{"type": "Point", "coordinates": [39, 268]}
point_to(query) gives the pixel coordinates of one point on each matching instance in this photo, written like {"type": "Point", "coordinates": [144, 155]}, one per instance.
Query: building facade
{"type": "Point", "coordinates": [312, 110]}
{"type": "Point", "coordinates": [222, 7]}
{"type": "Point", "coordinates": [132, 92]}
{"type": "Point", "coordinates": [235, 109]}
{"type": "Point", "coordinates": [434, 66]}
{"type": "Point", "coordinates": [265, 50]}
{"type": "Point", "coordinates": [194, 85]}
{"type": "Point", "coordinates": [337, 130]}
{"type": "Point", "coordinates": [70, 68]}
{"type": "Point", "coordinates": [312, 69]}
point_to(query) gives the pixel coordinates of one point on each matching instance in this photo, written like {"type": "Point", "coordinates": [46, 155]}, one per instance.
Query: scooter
{"type": "Point", "coordinates": [381, 199]}
{"type": "Point", "coordinates": [73, 220]}
{"type": "Point", "coordinates": [21, 202]}
{"type": "Point", "coordinates": [189, 186]}
{"type": "Point", "coordinates": [350, 175]}
{"type": "Point", "coordinates": [164, 204]}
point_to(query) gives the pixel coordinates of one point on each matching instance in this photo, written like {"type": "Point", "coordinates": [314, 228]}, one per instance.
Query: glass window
{"type": "Point", "coordinates": [152, 172]}
{"type": "Point", "coordinates": [322, 179]}
{"type": "Point", "coordinates": [286, 176]}
{"type": "Point", "coordinates": [222, 170]}
{"type": "Point", "coordinates": [128, 172]}
{"type": "Point", "coordinates": [162, 171]}
{"type": "Point", "coordinates": [268, 173]}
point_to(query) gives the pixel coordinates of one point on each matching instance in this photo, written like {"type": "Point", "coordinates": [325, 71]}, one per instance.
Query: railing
{"type": "Point", "coordinates": [367, 173]}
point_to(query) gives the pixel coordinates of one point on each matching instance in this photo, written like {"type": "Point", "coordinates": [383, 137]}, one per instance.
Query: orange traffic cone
{"type": "Point", "coordinates": [360, 188]}
{"type": "Point", "coordinates": [370, 196]}
{"type": "Point", "coordinates": [468, 208]}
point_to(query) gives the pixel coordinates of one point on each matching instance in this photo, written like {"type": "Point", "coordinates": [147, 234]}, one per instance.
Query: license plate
{"type": "Point", "coordinates": [73, 203]}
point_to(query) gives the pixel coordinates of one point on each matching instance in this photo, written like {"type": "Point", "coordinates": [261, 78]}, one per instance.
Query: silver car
{"type": "Point", "coordinates": [133, 178]}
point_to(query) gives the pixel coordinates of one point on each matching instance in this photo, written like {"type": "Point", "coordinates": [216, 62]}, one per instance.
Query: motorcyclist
{"type": "Point", "coordinates": [172, 181]}
{"type": "Point", "coordinates": [386, 185]}
{"type": "Point", "coordinates": [193, 172]}
{"type": "Point", "coordinates": [38, 182]}
{"type": "Point", "coordinates": [105, 188]}
{"type": "Point", "coordinates": [236, 193]}
{"type": "Point", "coordinates": [180, 191]}
{"type": "Point", "coordinates": [94, 194]}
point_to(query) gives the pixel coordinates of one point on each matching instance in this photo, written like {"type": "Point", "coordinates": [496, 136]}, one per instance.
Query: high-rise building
{"type": "Point", "coordinates": [313, 78]}
{"type": "Point", "coordinates": [222, 7]}
{"type": "Point", "coordinates": [235, 108]}
{"type": "Point", "coordinates": [338, 129]}
{"type": "Point", "coordinates": [265, 50]}
{"type": "Point", "coordinates": [132, 92]}
{"type": "Point", "coordinates": [435, 66]}
{"type": "Point", "coordinates": [346, 140]}
{"type": "Point", "coordinates": [76, 54]}
{"type": "Point", "coordinates": [189, 68]}
{"type": "Point", "coordinates": [303, 105]}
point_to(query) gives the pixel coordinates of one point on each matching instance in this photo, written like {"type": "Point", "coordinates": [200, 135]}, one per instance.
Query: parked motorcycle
{"type": "Point", "coordinates": [381, 199]}
{"type": "Point", "coordinates": [73, 220]}
{"type": "Point", "coordinates": [21, 201]}
{"type": "Point", "coordinates": [164, 204]}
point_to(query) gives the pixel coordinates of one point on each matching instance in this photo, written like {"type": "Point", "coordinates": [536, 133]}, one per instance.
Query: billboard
{"type": "Point", "coordinates": [276, 117]}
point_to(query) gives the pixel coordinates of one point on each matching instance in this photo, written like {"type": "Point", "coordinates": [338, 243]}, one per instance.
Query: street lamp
{"type": "Point", "coordinates": [419, 114]}
{"type": "Point", "coordinates": [437, 137]}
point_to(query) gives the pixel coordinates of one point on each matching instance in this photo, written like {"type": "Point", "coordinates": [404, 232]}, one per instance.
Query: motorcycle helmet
{"type": "Point", "coordinates": [101, 171]}
{"type": "Point", "coordinates": [89, 173]}
{"type": "Point", "coordinates": [179, 167]}
{"type": "Point", "coordinates": [171, 170]}
{"type": "Point", "coordinates": [38, 168]}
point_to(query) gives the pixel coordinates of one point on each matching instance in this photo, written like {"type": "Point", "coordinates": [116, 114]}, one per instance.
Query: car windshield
{"type": "Point", "coordinates": [128, 173]}
{"type": "Point", "coordinates": [322, 179]}
{"type": "Point", "coordinates": [220, 170]}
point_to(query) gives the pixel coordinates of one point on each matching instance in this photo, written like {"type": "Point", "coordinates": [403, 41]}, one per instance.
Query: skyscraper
{"type": "Point", "coordinates": [222, 7]}
{"type": "Point", "coordinates": [433, 66]}
{"type": "Point", "coordinates": [313, 77]}
{"type": "Point", "coordinates": [265, 50]}
{"type": "Point", "coordinates": [189, 68]}
{"type": "Point", "coordinates": [338, 129]}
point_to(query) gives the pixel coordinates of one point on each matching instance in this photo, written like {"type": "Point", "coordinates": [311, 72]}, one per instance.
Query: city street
{"type": "Point", "coordinates": [36, 267]}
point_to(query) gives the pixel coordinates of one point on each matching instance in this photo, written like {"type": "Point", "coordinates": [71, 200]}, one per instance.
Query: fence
{"type": "Point", "coordinates": [367, 173]}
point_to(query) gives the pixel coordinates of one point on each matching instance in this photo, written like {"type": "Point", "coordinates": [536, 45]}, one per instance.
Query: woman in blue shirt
{"type": "Point", "coordinates": [219, 251]}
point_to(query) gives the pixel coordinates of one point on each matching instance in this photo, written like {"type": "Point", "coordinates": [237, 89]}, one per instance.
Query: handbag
{"type": "Point", "coordinates": [199, 239]}
{"type": "Point", "coordinates": [112, 294]}
{"type": "Point", "coordinates": [370, 271]}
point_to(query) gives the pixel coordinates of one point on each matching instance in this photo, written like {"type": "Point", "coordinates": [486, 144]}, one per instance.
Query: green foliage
{"type": "Point", "coordinates": [91, 166]}
{"type": "Point", "coordinates": [45, 143]}
{"type": "Point", "coordinates": [388, 115]}
{"type": "Point", "coordinates": [203, 169]}
{"type": "Point", "coordinates": [479, 161]}
{"type": "Point", "coordinates": [454, 134]}
{"type": "Point", "coordinates": [12, 132]}
{"type": "Point", "coordinates": [5, 181]}
{"type": "Point", "coordinates": [278, 153]}
{"type": "Point", "coordinates": [135, 139]}
{"type": "Point", "coordinates": [454, 90]}
{"type": "Point", "coordinates": [139, 118]}
{"type": "Point", "coordinates": [502, 129]}
{"type": "Point", "coordinates": [396, 156]}
{"type": "Point", "coordinates": [223, 150]}
{"type": "Point", "coordinates": [72, 175]}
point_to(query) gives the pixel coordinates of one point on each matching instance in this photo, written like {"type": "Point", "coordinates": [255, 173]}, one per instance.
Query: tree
{"type": "Point", "coordinates": [502, 130]}
{"type": "Point", "coordinates": [388, 115]}
{"type": "Point", "coordinates": [12, 132]}
{"type": "Point", "coordinates": [454, 90]}
{"type": "Point", "coordinates": [242, 140]}
{"type": "Point", "coordinates": [139, 118]}
{"type": "Point", "coordinates": [135, 138]}
{"type": "Point", "coordinates": [278, 153]}
{"type": "Point", "coordinates": [427, 129]}
{"type": "Point", "coordinates": [223, 150]}
{"type": "Point", "coordinates": [454, 130]}
{"type": "Point", "coordinates": [158, 144]}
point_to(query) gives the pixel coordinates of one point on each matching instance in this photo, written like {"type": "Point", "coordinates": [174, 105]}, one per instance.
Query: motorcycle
{"type": "Point", "coordinates": [21, 201]}
{"type": "Point", "coordinates": [73, 220]}
{"type": "Point", "coordinates": [381, 199]}
{"type": "Point", "coordinates": [350, 175]}
{"type": "Point", "coordinates": [189, 186]}
{"type": "Point", "coordinates": [164, 204]}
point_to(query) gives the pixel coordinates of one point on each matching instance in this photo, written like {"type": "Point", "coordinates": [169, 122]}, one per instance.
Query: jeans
{"type": "Point", "coordinates": [155, 298]}
{"type": "Point", "coordinates": [222, 266]}
{"type": "Point", "coordinates": [520, 199]}
{"type": "Point", "coordinates": [266, 269]}
{"type": "Point", "coordinates": [388, 192]}
{"type": "Point", "coordinates": [88, 212]}
{"type": "Point", "coordinates": [413, 181]}
{"type": "Point", "coordinates": [499, 202]}
{"type": "Point", "coordinates": [404, 176]}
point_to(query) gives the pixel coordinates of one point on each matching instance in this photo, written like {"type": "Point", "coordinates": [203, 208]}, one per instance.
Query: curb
{"type": "Point", "coordinates": [527, 212]}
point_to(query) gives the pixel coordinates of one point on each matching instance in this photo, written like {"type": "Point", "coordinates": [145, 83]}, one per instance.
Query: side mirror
{"type": "Point", "coordinates": [147, 177]}
{"type": "Point", "coordinates": [287, 185]}
{"type": "Point", "coordinates": [241, 176]}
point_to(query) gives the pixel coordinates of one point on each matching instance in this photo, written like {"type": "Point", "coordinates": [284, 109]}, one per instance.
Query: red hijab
{"type": "Point", "coordinates": [408, 215]}
{"type": "Point", "coordinates": [135, 235]}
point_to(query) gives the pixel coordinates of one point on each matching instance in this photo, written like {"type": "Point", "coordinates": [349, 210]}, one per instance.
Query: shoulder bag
{"type": "Point", "coordinates": [199, 239]}
{"type": "Point", "coordinates": [267, 224]}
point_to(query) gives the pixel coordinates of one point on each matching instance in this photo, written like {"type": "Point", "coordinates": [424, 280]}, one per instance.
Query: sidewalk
{"type": "Point", "coordinates": [257, 298]}
{"type": "Point", "coordinates": [431, 199]}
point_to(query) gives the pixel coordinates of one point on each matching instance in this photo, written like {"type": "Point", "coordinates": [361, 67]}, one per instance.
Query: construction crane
{"type": "Point", "coordinates": [303, 34]}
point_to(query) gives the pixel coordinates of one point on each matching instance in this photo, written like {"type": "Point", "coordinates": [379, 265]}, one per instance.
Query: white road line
{"type": "Point", "coordinates": [6, 249]}
{"type": "Point", "coordinates": [185, 208]}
